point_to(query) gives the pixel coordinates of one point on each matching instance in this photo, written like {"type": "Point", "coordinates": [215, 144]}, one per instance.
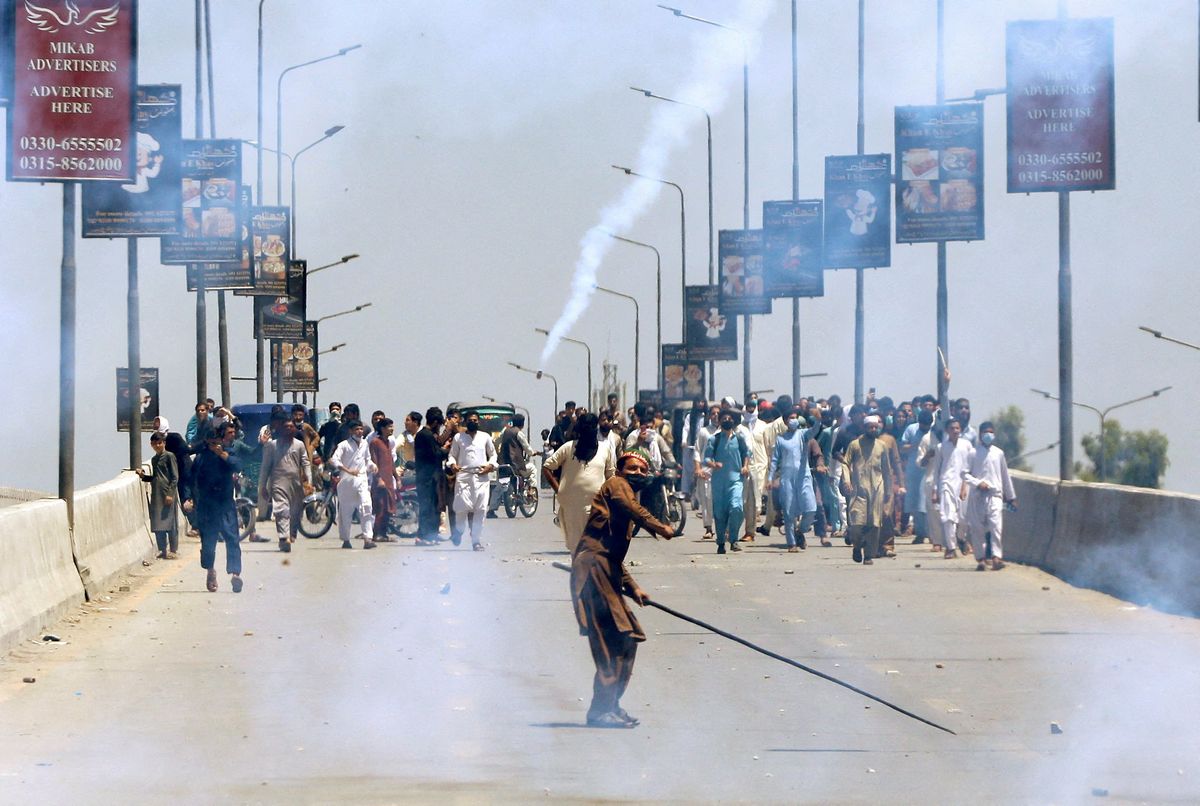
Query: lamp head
{"type": "Point", "coordinates": [539, 374]}
{"type": "Point", "coordinates": [344, 51]}
{"type": "Point", "coordinates": [332, 130]}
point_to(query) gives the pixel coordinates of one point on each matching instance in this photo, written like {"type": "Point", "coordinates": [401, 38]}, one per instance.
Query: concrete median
{"type": "Point", "coordinates": [1029, 531]}
{"type": "Point", "coordinates": [112, 531]}
{"type": "Point", "coordinates": [38, 580]}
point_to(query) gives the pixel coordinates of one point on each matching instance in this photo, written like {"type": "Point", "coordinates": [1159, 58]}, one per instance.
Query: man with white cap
{"type": "Point", "coordinates": [949, 470]}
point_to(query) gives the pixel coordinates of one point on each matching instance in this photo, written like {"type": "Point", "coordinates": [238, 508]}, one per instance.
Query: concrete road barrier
{"type": "Point", "coordinates": [112, 531]}
{"type": "Point", "coordinates": [1029, 531]}
{"type": "Point", "coordinates": [38, 580]}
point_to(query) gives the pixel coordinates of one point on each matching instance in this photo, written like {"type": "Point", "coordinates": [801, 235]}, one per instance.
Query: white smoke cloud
{"type": "Point", "coordinates": [716, 58]}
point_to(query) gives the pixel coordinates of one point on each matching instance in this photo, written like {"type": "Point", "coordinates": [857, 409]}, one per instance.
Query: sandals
{"type": "Point", "coordinates": [212, 580]}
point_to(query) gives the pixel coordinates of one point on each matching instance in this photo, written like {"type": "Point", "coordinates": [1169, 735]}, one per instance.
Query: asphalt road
{"type": "Point", "coordinates": [412, 674]}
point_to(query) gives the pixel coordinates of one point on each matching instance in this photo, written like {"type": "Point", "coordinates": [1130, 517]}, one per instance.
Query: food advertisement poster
{"type": "Point", "coordinates": [270, 250]}
{"type": "Point", "coordinates": [151, 204]}
{"type": "Point", "coordinates": [294, 362]}
{"type": "Point", "coordinates": [74, 80]}
{"type": "Point", "coordinates": [858, 211]}
{"type": "Point", "coordinates": [211, 183]}
{"type": "Point", "coordinates": [710, 334]}
{"type": "Point", "coordinates": [683, 376]}
{"type": "Point", "coordinates": [237, 277]}
{"type": "Point", "coordinates": [1060, 102]}
{"type": "Point", "coordinates": [282, 316]}
{"type": "Point", "coordinates": [939, 193]}
{"type": "Point", "coordinates": [148, 390]}
{"type": "Point", "coordinates": [792, 248]}
{"type": "Point", "coordinates": [743, 290]}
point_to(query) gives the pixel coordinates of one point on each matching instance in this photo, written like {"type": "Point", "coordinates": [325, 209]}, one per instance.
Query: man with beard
{"type": "Point", "coordinates": [209, 500]}
{"type": "Point", "coordinates": [428, 456]}
{"type": "Point", "coordinates": [306, 434]}
{"type": "Point", "coordinates": [383, 481]}
{"type": "Point", "coordinates": [283, 478]}
{"type": "Point", "coordinates": [329, 431]}
{"type": "Point", "coordinates": [473, 456]}
{"type": "Point", "coordinates": [868, 488]}
{"type": "Point", "coordinates": [961, 410]}
{"type": "Point", "coordinates": [727, 456]}
{"type": "Point", "coordinates": [598, 578]}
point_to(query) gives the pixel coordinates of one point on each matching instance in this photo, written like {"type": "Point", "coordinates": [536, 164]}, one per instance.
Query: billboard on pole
{"type": "Point", "coordinates": [148, 398]}
{"type": "Point", "coordinates": [740, 253]}
{"type": "Point", "coordinates": [270, 250]}
{"type": "Point", "coordinates": [229, 276]}
{"type": "Point", "coordinates": [710, 334]}
{"type": "Point", "coordinates": [74, 75]}
{"type": "Point", "coordinates": [682, 376]}
{"type": "Point", "coordinates": [294, 362]}
{"type": "Point", "coordinates": [858, 211]}
{"type": "Point", "coordinates": [1061, 102]}
{"type": "Point", "coordinates": [282, 316]}
{"type": "Point", "coordinates": [792, 248]}
{"type": "Point", "coordinates": [939, 192]}
{"type": "Point", "coordinates": [152, 203]}
{"type": "Point", "coordinates": [211, 186]}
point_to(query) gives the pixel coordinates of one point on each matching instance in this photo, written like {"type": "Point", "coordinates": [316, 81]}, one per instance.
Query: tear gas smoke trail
{"type": "Point", "coordinates": [715, 57]}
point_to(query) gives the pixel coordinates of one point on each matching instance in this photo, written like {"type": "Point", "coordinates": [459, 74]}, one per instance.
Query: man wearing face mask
{"type": "Point", "coordinates": [598, 578]}
{"type": "Point", "coordinates": [791, 477]}
{"type": "Point", "coordinates": [991, 488]}
{"type": "Point", "coordinates": [888, 546]}
{"type": "Point", "coordinates": [473, 456]}
{"type": "Point", "coordinates": [727, 456]}
{"type": "Point", "coordinates": [868, 489]}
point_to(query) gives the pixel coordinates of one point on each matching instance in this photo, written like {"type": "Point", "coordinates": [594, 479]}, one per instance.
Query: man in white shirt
{"type": "Point", "coordinates": [991, 488]}
{"type": "Point", "coordinates": [953, 457]}
{"type": "Point", "coordinates": [352, 458]}
{"type": "Point", "coordinates": [703, 488]}
{"type": "Point", "coordinates": [473, 455]}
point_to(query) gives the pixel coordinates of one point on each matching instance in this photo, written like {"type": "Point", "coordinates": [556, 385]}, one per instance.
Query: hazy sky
{"type": "Point", "coordinates": [476, 155]}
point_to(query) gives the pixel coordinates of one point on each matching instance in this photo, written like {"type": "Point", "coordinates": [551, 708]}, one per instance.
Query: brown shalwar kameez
{"type": "Point", "coordinates": [598, 579]}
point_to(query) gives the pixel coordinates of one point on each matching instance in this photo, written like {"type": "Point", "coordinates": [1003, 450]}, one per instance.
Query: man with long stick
{"type": "Point", "coordinates": [598, 579]}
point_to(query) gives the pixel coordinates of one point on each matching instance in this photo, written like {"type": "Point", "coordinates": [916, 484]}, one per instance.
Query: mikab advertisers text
{"type": "Point", "coordinates": [235, 277]}
{"type": "Point", "coordinates": [710, 334]}
{"type": "Point", "coordinates": [683, 376]}
{"type": "Point", "coordinates": [282, 317]}
{"type": "Point", "coordinates": [152, 203]}
{"type": "Point", "coordinates": [858, 211]}
{"type": "Point", "coordinates": [74, 74]}
{"type": "Point", "coordinates": [147, 398]}
{"type": "Point", "coordinates": [294, 362]}
{"type": "Point", "coordinates": [792, 249]}
{"type": "Point", "coordinates": [939, 193]}
{"type": "Point", "coordinates": [211, 182]}
{"type": "Point", "coordinates": [270, 250]}
{"type": "Point", "coordinates": [1061, 99]}
{"type": "Point", "coordinates": [743, 290]}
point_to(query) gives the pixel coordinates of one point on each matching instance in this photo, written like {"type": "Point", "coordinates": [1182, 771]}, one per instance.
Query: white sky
{"type": "Point", "coordinates": [476, 154]}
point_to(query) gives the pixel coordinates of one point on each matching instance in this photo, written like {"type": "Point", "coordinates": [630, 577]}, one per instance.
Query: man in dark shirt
{"type": "Point", "coordinates": [329, 431]}
{"type": "Point", "coordinates": [428, 455]}
{"type": "Point", "coordinates": [209, 497]}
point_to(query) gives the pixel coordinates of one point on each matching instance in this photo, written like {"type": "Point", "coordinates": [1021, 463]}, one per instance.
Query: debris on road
{"type": "Point", "coordinates": [1100, 793]}
{"type": "Point", "coordinates": [939, 666]}
{"type": "Point", "coordinates": [1055, 728]}
{"type": "Point", "coordinates": [248, 632]}
{"type": "Point", "coordinates": [445, 588]}
{"type": "Point", "coordinates": [28, 679]}
{"type": "Point", "coordinates": [51, 637]}
{"type": "Point", "coordinates": [124, 589]}
{"type": "Point", "coordinates": [789, 571]}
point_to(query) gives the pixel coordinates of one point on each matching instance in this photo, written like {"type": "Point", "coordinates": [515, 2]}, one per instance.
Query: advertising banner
{"type": "Point", "coordinates": [152, 204]}
{"type": "Point", "coordinates": [1060, 102]}
{"type": "Point", "coordinates": [792, 233]}
{"type": "Point", "coordinates": [235, 277]}
{"type": "Point", "coordinates": [683, 377]}
{"type": "Point", "coordinates": [74, 75]}
{"type": "Point", "coordinates": [651, 397]}
{"type": "Point", "coordinates": [149, 398]}
{"type": "Point", "coordinates": [294, 362]}
{"type": "Point", "coordinates": [710, 334]}
{"type": "Point", "coordinates": [270, 250]}
{"type": "Point", "coordinates": [740, 252]}
{"type": "Point", "coordinates": [858, 211]}
{"type": "Point", "coordinates": [939, 193]}
{"type": "Point", "coordinates": [282, 317]}
{"type": "Point", "coordinates": [211, 182]}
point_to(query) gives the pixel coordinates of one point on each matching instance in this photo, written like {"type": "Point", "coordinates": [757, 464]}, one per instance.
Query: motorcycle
{"type": "Point", "coordinates": [675, 504]}
{"type": "Point", "coordinates": [519, 492]}
{"type": "Point", "coordinates": [320, 508]}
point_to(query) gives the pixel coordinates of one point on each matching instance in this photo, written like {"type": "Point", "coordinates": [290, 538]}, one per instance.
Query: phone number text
{"type": "Point", "coordinates": [1066, 158]}
{"type": "Point", "coordinates": [114, 144]}
{"type": "Point", "coordinates": [106, 164]}
{"type": "Point", "coordinates": [1068, 175]}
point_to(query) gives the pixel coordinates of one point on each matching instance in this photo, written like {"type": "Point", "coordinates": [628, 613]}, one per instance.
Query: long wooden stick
{"type": "Point", "coordinates": [778, 657]}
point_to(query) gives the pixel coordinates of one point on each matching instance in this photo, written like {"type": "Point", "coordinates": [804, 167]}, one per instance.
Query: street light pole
{"type": "Point", "coordinates": [339, 262]}
{"type": "Point", "coordinates": [745, 165]}
{"type": "Point", "coordinates": [682, 242]}
{"type": "Point", "coordinates": [637, 336]}
{"type": "Point", "coordinates": [1158, 334]}
{"type": "Point", "coordinates": [1103, 415]}
{"type": "Point", "coordinates": [539, 374]}
{"type": "Point", "coordinates": [584, 345]}
{"type": "Point", "coordinates": [330, 132]}
{"type": "Point", "coordinates": [279, 117]}
{"type": "Point", "coordinates": [712, 272]}
{"type": "Point", "coordinates": [658, 301]}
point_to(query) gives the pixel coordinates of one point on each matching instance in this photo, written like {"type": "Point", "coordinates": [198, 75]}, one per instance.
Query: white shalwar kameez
{"type": "Point", "coordinates": [354, 490]}
{"type": "Point", "coordinates": [985, 508]}
{"type": "Point", "coordinates": [952, 461]}
{"type": "Point", "coordinates": [469, 453]}
{"type": "Point", "coordinates": [933, 518]}
{"type": "Point", "coordinates": [702, 493]}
